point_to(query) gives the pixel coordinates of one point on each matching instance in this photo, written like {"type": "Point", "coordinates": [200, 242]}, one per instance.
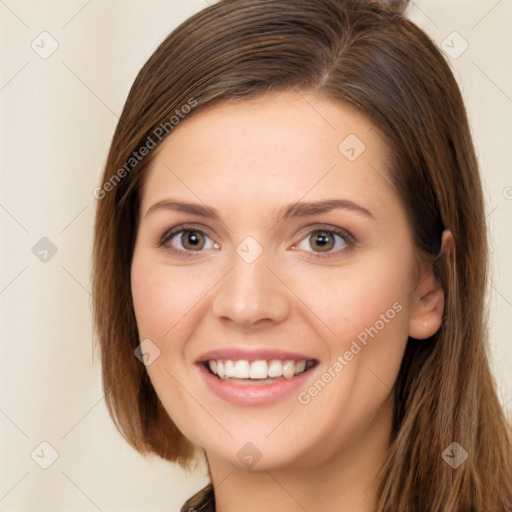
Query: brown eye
{"type": "Point", "coordinates": [182, 241]}
{"type": "Point", "coordinates": [323, 240]}
{"type": "Point", "coordinates": [323, 243]}
{"type": "Point", "coordinates": [192, 240]}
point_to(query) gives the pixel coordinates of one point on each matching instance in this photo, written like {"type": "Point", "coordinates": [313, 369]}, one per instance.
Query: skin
{"type": "Point", "coordinates": [248, 159]}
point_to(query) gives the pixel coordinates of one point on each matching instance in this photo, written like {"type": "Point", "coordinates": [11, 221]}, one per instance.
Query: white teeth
{"type": "Point", "coordinates": [242, 369]}
{"type": "Point", "coordinates": [220, 369]}
{"type": "Point", "coordinates": [257, 370]}
{"type": "Point", "coordinates": [289, 369]}
{"type": "Point", "coordinates": [275, 369]}
{"type": "Point", "coordinates": [300, 366]}
{"type": "Point", "coordinates": [229, 368]}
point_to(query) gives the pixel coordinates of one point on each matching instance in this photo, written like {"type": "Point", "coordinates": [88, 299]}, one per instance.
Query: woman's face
{"type": "Point", "coordinates": [298, 259]}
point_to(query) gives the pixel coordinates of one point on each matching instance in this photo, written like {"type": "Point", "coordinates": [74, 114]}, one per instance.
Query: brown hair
{"type": "Point", "coordinates": [356, 52]}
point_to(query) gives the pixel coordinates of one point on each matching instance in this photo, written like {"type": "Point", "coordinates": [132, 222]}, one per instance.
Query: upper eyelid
{"type": "Point", "coordinates": [172, 232]}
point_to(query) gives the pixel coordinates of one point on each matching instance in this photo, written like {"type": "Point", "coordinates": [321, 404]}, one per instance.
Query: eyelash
{"type": "Point", "coordinates": [347, 237]}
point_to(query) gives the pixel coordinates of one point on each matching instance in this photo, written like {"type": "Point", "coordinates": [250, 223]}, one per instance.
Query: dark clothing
{"type": "Point", "coordinates": [203, 501]}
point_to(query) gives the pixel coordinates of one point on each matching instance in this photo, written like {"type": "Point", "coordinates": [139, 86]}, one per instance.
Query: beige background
{"type": "Point", "coordinates": [58, 112]}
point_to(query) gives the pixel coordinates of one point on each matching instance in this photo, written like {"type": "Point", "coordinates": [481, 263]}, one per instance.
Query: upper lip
{"type": "Point", "coordinates": [235, 353]}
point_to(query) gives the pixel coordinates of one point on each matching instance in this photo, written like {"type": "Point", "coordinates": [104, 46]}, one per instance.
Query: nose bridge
{"type": "Point", "coordinates": [251, 292]}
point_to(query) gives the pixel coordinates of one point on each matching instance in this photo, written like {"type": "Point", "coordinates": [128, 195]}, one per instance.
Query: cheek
{"type": "Point", "coordinates": [363, 310]}
{"type": "Point", "coordinates": [167, 302]}
{"type": "Point", "coordinates": [165, 298]}
{"type": "Point", "coordinates": [366, 310]}
{"type": "Point", "coordinates": [348, 301]}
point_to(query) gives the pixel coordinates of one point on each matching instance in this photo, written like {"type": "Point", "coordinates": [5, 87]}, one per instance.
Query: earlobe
{"type": "Point", "coordinates": [427, 303]}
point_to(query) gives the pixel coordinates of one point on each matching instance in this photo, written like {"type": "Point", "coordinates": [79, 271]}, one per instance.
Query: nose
{"type": "Point", "coordinates": [251, 295]}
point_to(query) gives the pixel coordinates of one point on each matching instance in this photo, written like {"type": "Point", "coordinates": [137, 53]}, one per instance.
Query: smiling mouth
{"type": "Point", "coordinates": [257, 372]}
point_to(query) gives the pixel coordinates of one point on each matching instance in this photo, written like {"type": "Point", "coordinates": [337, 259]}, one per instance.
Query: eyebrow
{"type": "Point", "coordinates": [297, 209]}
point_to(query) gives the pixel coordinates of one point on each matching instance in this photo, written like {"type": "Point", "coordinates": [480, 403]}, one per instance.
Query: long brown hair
{"type": "Point", "coordinates": [359, 53]}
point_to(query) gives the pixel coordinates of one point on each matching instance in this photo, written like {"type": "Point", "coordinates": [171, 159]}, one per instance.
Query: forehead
{"type": "Point", "coordinates": [261, 152]}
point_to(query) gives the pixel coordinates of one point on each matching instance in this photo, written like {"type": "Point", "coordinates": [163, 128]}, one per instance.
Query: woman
{"type": "Point", "coordinates": [290, 263]}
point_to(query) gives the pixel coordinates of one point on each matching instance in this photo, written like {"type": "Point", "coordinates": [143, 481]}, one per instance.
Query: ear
{"type": "Point", "coordinates": [427, 302]}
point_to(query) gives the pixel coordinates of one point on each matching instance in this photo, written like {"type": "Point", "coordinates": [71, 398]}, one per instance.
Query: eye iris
{"type": "Point", "coordinates": [322, 239]}
{"type": "Point", "coordinates": [192, 237]}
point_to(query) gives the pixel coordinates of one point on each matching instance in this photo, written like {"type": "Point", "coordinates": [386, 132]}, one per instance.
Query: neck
{"type": "Point", "coordinates": [347, 481]}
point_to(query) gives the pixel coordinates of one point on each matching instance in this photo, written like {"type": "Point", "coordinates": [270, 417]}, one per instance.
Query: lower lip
{"type": "Point", "coordinates": [252, 394]}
